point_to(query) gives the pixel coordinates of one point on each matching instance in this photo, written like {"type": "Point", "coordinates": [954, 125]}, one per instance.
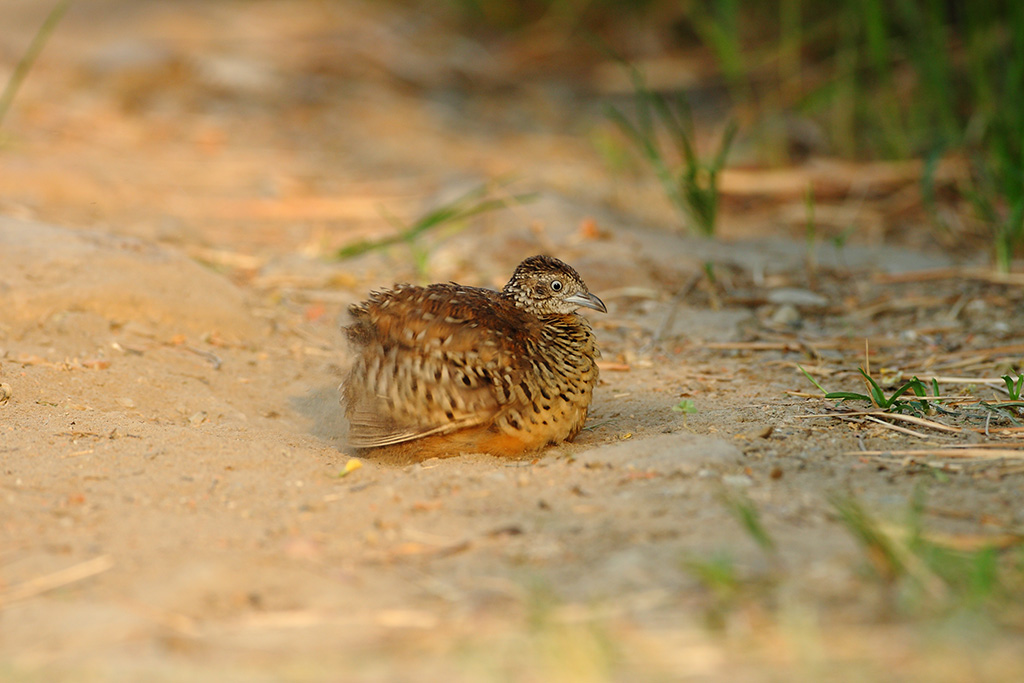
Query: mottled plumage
{"type": "Point", "coordinates": [446, 369]}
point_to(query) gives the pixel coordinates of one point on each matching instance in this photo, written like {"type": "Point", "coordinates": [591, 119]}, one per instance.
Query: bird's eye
{"type": "Point", "coordinates": [556, 286]}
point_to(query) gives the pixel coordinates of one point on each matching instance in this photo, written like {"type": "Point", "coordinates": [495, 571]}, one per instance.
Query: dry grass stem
{"type": "Point", "coordinates": [55, 580]}
{"type": "Point", "coordinates": [950, 452]}
{"type": "Point", "coordinates": [897, 428]}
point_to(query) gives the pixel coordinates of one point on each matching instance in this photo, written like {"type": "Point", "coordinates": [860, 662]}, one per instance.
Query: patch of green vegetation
{"type": "Point", "coordinates": [743, 510]}
{"type": "Point", "coordinates": [1014, 386]}
{"type": "Point", "coordinates": [912, 398]}
{"type": "Point", "coordinates": [924, 574]}
{"type": "Point", "coordinates": [894, 81]}
{"type": "Point", "coordinates": [908, 79]}
{"type": "Point", "coordinates": [894, 402]}
{"type": "Point", "coordinates": [993, 126]}
{"type": "Point", "coordinates": [933, 577]}
{"type": "Point", "coordinates": [686, 406]}
{"type": "Point", "coordinates": [721, 576]}
{"type": "Point", "coordinates": [689, 182]}
{"type": "Point", "coordinates": [477, 201]}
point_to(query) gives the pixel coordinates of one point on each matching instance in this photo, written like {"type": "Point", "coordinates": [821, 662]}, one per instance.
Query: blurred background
{"type": "Point", "coordinates": [248, 128]}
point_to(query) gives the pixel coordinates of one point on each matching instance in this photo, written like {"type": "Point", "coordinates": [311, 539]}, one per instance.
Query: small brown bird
{"type": "Point", "coordinates": [447, 369]}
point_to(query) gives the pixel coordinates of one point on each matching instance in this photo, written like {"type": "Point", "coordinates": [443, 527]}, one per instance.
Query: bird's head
{"type": "Point", "coordinates": [543, 285]}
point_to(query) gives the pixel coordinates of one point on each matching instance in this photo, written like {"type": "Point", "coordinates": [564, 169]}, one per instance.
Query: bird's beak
{"type": "Point", "coordinates": [587, 300]}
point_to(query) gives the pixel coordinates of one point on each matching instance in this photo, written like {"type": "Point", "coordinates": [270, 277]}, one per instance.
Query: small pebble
{"type": "Point", "coordinates": [738, 480]}
{"type": "Point", "coordinates": [787, 316]}
{"type": "Point", "coordinates": [794, 296]}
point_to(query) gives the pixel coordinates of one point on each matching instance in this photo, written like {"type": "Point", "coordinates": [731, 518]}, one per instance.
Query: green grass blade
{"type": "Point", "coordinates": [1014, 387]}
{"type": "Point", "coordinates": [645, 140]}
{"type": "Point", "coordinates": [731, 129]}
{"type": "Point", "coordinates": [877, 395]}
{"type": "Point", "coordinates": [28, 59]}
{"type": "Point", "coordinates": [750, 519]}
{"type": "Point", "coordinates": [811, 379]}
{"type": "Point", "coordinates": [848, 396]}
{"type": "Point", "coordinates": [913, 385]}
{"type": "Point", "coordinates": [468, 205]}
{"type": "Point", "coordinates": [360, 247]}
{"type": "Point", "coordinates": [882, 555]}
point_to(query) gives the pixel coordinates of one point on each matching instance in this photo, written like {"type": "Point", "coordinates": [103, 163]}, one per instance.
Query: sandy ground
{"type": "Point", "coordinates": [176, 498]}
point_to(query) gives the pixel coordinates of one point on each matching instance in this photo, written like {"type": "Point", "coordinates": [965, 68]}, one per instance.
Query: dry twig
{"type": "Point", "coordinates": [58, 579]}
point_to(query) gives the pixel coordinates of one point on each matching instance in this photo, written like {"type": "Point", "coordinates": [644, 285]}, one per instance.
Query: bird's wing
{"type": "Point", "coordinates": [432, 360]}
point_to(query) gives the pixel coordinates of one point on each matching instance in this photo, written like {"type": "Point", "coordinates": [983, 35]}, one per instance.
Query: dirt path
{"type": "Point", "coordinates": [174, 498]}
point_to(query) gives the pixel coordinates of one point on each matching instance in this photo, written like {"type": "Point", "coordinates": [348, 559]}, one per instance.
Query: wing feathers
{"type": "Point", "coordinates": [430, 360]}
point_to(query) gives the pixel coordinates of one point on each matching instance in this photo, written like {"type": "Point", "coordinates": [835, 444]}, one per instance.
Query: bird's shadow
{"type": "Point", "coordinates": [321, 406]}
{"type": "Point", "coordinates": [328, 423]}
